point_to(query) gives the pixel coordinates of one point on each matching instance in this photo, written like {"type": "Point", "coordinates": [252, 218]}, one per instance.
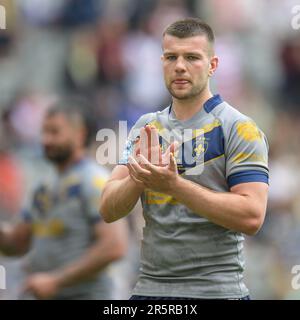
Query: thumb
{"type": "Point", "coordinates": [171, 149]}
{"type": "Point", "coordinates": [172, 164]}
{"type": "Point", "coordinates": [174, 146]}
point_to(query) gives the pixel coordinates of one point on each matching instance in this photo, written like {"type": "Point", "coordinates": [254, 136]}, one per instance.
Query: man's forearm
{"type": "Point", "coordinates": [95, 260]}
{"type": "Point", "coordinates": [232, 211]}
{"type": "Point", "coordinates": [118, 198]}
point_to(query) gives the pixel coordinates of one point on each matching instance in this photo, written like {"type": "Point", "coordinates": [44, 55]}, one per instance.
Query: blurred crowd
{"type": "Point", "coordinates": [109, 52]}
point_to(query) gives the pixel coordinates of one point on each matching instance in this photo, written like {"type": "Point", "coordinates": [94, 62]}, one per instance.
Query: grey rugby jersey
{"type": "Point", "coordinates": [184, 254]}
{"type": "Point", "coordinates": [63, 214]}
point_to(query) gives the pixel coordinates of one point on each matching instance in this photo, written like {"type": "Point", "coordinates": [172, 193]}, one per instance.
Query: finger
{"type": "Point", "coordinates": [144, 143]}
{"type": "Point", "coordinates": [147, 165]}
{"type": "Point", "coordinates": [136, 180]}
{"type": "Point", "coordinates": [139, 171]}
{"type": "Point", "coordinates": [137, 152]}
{"type": "Point", "coordinates": [136, 147]}
{"type": "Point", "coordinates": [132, 171]}
{"type": "Point", "coordinates": [171, 149]}
{"type": "Point", "coordinates": [172, 165]}
{"type": "Point", "coordinates": [155, 147]}
{"type": "Point", "coordinates": [148, 129]}
{"type": "Point", "coordinates": [174, 147]}
{"type": "Point", "coordinates": [132, 160]}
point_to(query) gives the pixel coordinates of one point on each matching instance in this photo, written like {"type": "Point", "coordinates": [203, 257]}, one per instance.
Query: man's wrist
{"type": "Point", "coordinates": [138, 187]}
{"type": "Point", "coordinates": [59, 277]}
{"type": "Point", "coordinates": [175, 186]}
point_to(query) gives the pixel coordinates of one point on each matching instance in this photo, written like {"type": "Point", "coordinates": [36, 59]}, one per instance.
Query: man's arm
{"type": "Point", "coordinates": [242, 209]}
{"type": "Point", "coordinates": [110, 245]}
{"type": "Point", "coordinates": [120, 194]}
{"type": "Point", "coordinates": [123, 190]}
{"type": "Point", "coordinates": [15, 239]}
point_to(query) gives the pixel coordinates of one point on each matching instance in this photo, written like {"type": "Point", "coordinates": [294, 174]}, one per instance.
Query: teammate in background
{"type": "Point", "coordinates": [70, 246]}
{"type": "Point", "coordinates": [194, 222]}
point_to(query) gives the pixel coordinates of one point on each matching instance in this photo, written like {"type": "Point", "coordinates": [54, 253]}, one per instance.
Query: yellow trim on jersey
{"type": "Point", "coordinates": [248, 131]}
{"type": "Point", "coordinates": [153, 197]}
{"type": "Point", "coordinates": [52, 228]}
{"type": "Point", "coordinates": [99, 182]}
{"type": "Point", "coordinates": [207, 128]}
{"type": "Point", "coordinates": [253, 157]}
{"type": "Point", "coordinates": [196, 132]}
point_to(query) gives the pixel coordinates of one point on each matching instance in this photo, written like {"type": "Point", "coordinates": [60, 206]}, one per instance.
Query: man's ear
{"type": "Point", "coordinates": [162, 57]}
{"type": "Point", "coordinates": [214, 62]}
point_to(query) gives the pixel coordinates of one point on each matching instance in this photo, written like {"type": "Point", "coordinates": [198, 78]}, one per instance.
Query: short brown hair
{"type": "Point", "coordinates": [76, 108]}
{"type": "Point", "coordinates": [190, 27]}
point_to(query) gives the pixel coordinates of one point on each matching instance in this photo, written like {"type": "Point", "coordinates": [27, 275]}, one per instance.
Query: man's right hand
{"type": "Point", "coordinates": [15, 240]}
{"type": "Point", "coordinates": [147, 145]}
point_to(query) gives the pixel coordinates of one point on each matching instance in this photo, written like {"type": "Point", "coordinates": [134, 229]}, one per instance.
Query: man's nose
{"type": "Point", "coordinates": [180, 65]}
{"type": "Point", "coordinates": [46, 139]}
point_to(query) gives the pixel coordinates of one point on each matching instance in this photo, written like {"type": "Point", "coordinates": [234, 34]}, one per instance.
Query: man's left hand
{"type": "Point", "coordinates": [42, 285]}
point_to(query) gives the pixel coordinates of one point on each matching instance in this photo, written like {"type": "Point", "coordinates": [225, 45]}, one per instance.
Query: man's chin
{"type": "Point", "coordinates": [56, 159]}
{"type": "Point", "coordinates": [180, 96]}
{"type": "Point", "coordinates": [185, 95]}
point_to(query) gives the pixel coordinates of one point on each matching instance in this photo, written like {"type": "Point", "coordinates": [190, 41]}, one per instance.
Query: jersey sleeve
{"type": "Point", "coordinates": [132, 137]}
{"type": "Point", "coordinates": [92, 189]}
{"type": "Point", "coordinates": [246, 154]}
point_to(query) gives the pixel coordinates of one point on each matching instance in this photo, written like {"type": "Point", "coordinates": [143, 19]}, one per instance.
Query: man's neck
{"type": "Point", "coordinates": [186, 109]}
{"type": "Point", "coordinates": [76, 157]}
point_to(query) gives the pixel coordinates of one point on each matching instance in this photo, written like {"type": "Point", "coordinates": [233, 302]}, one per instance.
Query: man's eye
{"type": "Point", "coordinates": [171, 58]}
{"type": "Point", "coordinates": [192, 58]}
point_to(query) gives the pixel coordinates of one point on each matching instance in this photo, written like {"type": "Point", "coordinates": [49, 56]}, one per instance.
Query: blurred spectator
{"type": "Point", "coordinates": [11, 183]}
{"type": "Point", "coordinates": [68, 241]}
{"type": "Point", "coordinates": [71, 13]}
{"type": "Point", "coordinates": [290, 57]}
{"type": "Point", "coordinates": [11, 180]}
{"type": "Point", "coordinates": [24, 118]}
{"type": "Point", "coordinates": [7, 36]}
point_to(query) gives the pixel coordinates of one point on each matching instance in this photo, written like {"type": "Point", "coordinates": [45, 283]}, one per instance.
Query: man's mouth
{"type": "Point", "coordinates": [181, 81]}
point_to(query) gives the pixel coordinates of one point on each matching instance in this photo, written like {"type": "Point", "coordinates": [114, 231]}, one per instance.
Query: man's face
{"type": "Point", "coordinates": [58, 138]}
{"type": "Point", "coordinates": [187, 65]}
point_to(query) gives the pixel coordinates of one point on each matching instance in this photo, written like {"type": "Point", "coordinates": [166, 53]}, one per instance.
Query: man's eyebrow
{"type": "Point", "coordinates": [192, 53]}
{"type": "Point", "coordinates": [168, 53]}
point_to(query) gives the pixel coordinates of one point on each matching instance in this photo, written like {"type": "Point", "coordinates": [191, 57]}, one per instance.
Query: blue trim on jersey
{"type": "Point", "coordinates": [74, 190]}
{"type": "Point", "coordinates": [247, 176]}
{"type": "Point", "coordinates": [215, 143]}
{"type": "Point", "coordinates": [208, 105]}
{"type": "Point", "coordinates": [42, 199]}
{"type": "Point", "coordinates": [212, 102]}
